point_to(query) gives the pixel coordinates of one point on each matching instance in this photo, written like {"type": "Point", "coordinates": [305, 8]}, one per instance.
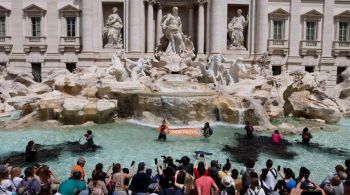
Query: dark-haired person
{"type": "Point", "coordinates": [30, 151]}
{"type": "Point", "coordinates": [249, 129]}
{"type": "Point", "coordinates": [204, 183]}
{"type": "Point", "coordinates": [289, 179]}
{"type": "Point", "coordinates": [29, 183]}
{"type": "Point", "coordinates": [119, 177]}
{"type": "Point", "coordinates": [73, 185]}
{"type": "Point", "coordinates": [207, 130]}
{"type": "Point", "coordinates": [237, 180]}
{"type": "Point", "coordinates": [276, 137]}
{"type": "Point", "coordinates": [306, 136]}
{"type": "Point", "coordinates": [246, 175]}
{"type": "Point", "coordinates": [5, 182]}
{"type": "Point", "coordinates": [347, 170]}
{"type": "Point", "coordinates": [163, 130]}
{"type": "Point", "coordinates": [96, 186]}
{"type": "Point", "coordinates": [99, 171]}
{"type": "Point", "coordinates": [89, 137]}
{"type": "Point", "coordinates": [254, 187]}
{"type": "Point", "coordinates": [140, 182]}
{"type": "Point", "coordinates": [271, 176]}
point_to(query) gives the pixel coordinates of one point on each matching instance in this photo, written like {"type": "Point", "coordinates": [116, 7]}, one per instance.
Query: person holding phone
{"type": "Point", "coordinates": [119, 178]}
{"type": "Point", "coordinates": [140, 182]}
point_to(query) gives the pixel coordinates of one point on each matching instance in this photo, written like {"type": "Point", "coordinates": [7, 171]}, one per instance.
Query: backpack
{"type": "Point", "coordinates": [252, 192]}
{"type": "Point", "coordinates": [21, 190]}
{"type": "Point", "coordinates": [274, 172]}
{"type": "Point", "coordinates": [97, 189]}
{"type": "Point", "coordinates": [266, 189]}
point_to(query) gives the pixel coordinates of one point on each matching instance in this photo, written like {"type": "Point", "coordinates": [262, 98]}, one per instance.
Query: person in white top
{"type": "Point", "coordinates": [5, 183]}
{"type": "Point", "coordinates": [254, 188]}
{"type": "Point", "coordinates": [271, 176]}
{"type": "Point", "coordinates": [15, 178]}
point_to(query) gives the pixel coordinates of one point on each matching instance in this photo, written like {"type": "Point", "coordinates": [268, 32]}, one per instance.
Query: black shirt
{"type": "Point", "coordinates": [140, 183]}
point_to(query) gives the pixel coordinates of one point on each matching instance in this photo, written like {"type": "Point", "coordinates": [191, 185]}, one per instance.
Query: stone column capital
{"type": "Point", "coordinates": [151, 2]}
{"type": "Point", "coordinates": [201, 2]}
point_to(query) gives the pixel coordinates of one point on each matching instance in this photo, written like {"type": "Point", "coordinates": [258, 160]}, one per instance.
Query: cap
{"type": "Point", "coordinates": [227, 181]}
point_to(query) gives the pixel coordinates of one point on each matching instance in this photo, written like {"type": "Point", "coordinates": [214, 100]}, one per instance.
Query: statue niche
{"type": "Point", "coordinates": [236, 31]}
{"type": "Point", "coordinates": [112, 31]}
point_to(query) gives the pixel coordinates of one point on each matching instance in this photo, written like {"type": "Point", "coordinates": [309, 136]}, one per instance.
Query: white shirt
{"type": "Point", "coordinates": [5, 184]}
{"type": "Point", "coordinates": [15, 183]}
{"type": "Point", "coordinates": [270, 180]}
{"type": "Point", "coordinates": [256, 191]}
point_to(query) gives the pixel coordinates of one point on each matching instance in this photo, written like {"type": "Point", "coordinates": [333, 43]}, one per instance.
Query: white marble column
{"type": "Point", "coordinates": [217, 22]}
{"type": "Point", "coordinates": [17, 34]}
{"type": "Point", "coordinates": [328, 30]}
{"type": "Point", "coordinates": [201, 29]}
{"type": "Point", "coordinates": [87, 23]}
{"type": "Point", "coordinates": [295, 36]}
{"type": "Point", "coordinates": [150, 26]}
{"type": "Point", "coordinates": [136, 26]}
{"type": "Point", "coordinates": [159, 19]}
{"type": "Point", "coordinates": [51, 35]}
{"type": "Point", "coordinates": [191, 21]}
{"type": "Point", "coordinates": [262, 26]}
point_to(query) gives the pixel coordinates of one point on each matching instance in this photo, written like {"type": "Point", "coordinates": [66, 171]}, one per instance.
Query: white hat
{"type": "Point", "coordinates": [227, 181]}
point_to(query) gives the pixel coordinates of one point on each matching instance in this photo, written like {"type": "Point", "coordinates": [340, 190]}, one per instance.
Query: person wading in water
{"type": "Point", "coordinates": [163, 130]}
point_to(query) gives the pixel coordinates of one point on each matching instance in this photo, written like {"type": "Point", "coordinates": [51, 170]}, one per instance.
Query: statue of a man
{"type": "Point", "coordinates": [236, 30]}
{"type": "Point", "coordinates": [172, 29]}
{"type": "Point", "coordinates": [112, 30]}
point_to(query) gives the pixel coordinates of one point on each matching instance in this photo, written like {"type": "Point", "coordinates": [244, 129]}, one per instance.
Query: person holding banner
{"type": "Point", "coordinates": [163, 130]}
{"type": "Point", "coordinates": [207, 130]}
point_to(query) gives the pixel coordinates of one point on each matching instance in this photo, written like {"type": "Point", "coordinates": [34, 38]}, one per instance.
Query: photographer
{"type": "Point", "coordinates": [201, 162]}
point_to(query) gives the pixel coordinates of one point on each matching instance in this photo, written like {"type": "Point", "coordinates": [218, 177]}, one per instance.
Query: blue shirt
{"type": "Point", "coordinates": [291, 184]}
{"type": "Point", "coordinates": [71, 186]}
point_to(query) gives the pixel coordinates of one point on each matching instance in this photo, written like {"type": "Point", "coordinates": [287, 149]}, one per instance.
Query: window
{"type": "Point", "coordinates": [36, 26]}
{"type": "Point", "coordinates": [276, 70]}
{"type": "Point", "coordinates": [277, 30]}
{"type": "Point", "coordinates": [310, 69]}
{"type": "Point", "coordinates": [36, 72]}
{"type": "Point", "coordinates": [71, 26]}
{"type": "Point", "coordinates": [340, 70]}
{"type": "Point", "coordinates": [343, 31]}
{"type": "Point", "coordinates": [2, 26]}
{"type": "Point", "coordinates": [71, 66]}
{"type": "Point", "coordinates": [311, 31]}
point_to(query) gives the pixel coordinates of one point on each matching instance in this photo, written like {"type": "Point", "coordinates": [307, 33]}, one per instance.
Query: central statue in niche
{"type": "Point", "coordinates": [175, 48]}
{"type": "Point", "coordinates": [112, 31]}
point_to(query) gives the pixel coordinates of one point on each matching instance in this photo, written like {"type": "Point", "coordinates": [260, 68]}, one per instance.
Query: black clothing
{"type": "Point", "coordinates": [30, 153]}
{"type": "Point", "coordinates": [161, 137]}
{"type": "Point", "coordinates": [306, 138]}
{"type": "Point", "coordinates": [249, 129]}
{"type": "Point", "coordinates": [140, 183]}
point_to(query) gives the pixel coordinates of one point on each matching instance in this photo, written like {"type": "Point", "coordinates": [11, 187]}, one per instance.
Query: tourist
{"type": "Point", "coordinates": [347, 170]}
{"type": "Point", "coordinates": [180, 175]}
{"type": "Point", "coordinates": [246, 176]}
{"type": "Point", "coordinates": [29, 184]}
{"type": "Point", "coordinates": [89, 138]}
{"type": "Point", "coordinates": [207, 130]}
{"type": "Point", "coordinates": [306, 136]}
{"type": "Point", "coordinates": [204, 183]}
{"type": "Point", "coordinates": [249, 129]}
{"type": "Point", "coordinates": [337, 185]}
{"type": "Point", "coordinates": [225, 171]}
{"type": "Point", "coordinates": [346, 186]}
{"type": "Point", "coordinates": [99, 171]}
{"type": "Point", "coordinates": [198, 165]}
{"type": "Point", "coordinates": [238, 181]}
{"type": "Point", "coordinates": [6, 187]}
{"type": "Point", "coordinates": [163, 130]}
{"type": "Point", "coordinates": [228, 186]}
{"type": "Point", "coordinates": [140, 181]}
{"type": "Point", "coordinates": [31, 151]}
{"type": "Point", "coordinates": [214, 172]}
{"type": "Point", "coordinates": [276, 137]}
{"type": "Point", "coordinates": [281, 188]}
{"type": "Point", "coordinates": [263, 181]}
{"type": "Point", "coordinates": [170, 188]}
{"type": "Point", "coordinates": [302, 171]}
{"type": "Point", "coordinates": [289, 179]}
{"type": "Point", "coordinates": [306, 185]}
{"type": "Point", "coordinates": [271, 176]}
{"type": "Point", "coordinates": [73, 185]}
{"type": "Point", "coordinates": [44, 175]}
{"type": "Point", "coordinates": [96, 186]}
{"type": "Point", "coordinates": [15, 177]}
{"type": "Point", "coordinates": [119, 178]}
{"type": "Point", "coordinates": [254, 187]}
{"type": "Point", "coordinates": [80, 167]}
{"type": "Point", "coordinates": [189, 188]}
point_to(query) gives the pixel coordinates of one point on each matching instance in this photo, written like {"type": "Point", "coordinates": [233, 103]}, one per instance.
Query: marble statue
{"type": "Point", "coordinates": [139, 68]}
{"type": "Point", "coordinates": [113, 30]}
{"type": "Point", "coordinates": [216, 70]}
{"type": "Point", "coordinates": [236, 71]}
{"type": "Point", "coordinates": [236, 30]}
{"type": "Point", "coordinates": [175, 47]}
{"type": "Point", "coordinates": [117, 68]}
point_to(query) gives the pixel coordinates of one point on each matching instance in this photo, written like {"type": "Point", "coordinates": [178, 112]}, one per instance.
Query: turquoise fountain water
{"type": "Point", "coordinates": [123, 142]}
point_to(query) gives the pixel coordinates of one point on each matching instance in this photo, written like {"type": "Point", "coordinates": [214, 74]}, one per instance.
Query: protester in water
{"type": "Point", "coordinates": [163, 130]}
{"type": "Point", "coordinates": [276, 137]}
{"type": "Point", "coordinates": [249, 129]}
{"type": "Point", "coordinates": [306, 136]}
{"type": "Point", "coordinates": [31, 151]}
{"type": "Point", "coordinates": [207, 130]}
{"type": "Point", "coordinates": [89, 138]}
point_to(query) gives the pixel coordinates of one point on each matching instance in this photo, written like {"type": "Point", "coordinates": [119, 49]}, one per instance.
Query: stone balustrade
{"type": "Point", "coordinates": [5, 43]}
{"type": "Point", "coordinates": [308, 47]}
{"type": "Point", "coordinates": [69, 43]}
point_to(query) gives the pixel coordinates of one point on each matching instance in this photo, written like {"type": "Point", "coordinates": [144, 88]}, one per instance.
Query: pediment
{"type": "Point", "coordinates": [4, 9]}
{"type": "Point", "coordinates": [345, 14]}
{"type": "Point", "coordinates": [69, 8]}
{"type": "Point", "coordinates": [312, 14]}
{"type": "Point", "coordinates": [33, 9]}
{"type": "Point", "coordinates": [279, 12]}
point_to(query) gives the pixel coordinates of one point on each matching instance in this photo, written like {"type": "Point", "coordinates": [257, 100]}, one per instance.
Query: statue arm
{"type": "Point", "coordinates": [246, 22]}
{"type": "Point", "coordinates": [225, 60]}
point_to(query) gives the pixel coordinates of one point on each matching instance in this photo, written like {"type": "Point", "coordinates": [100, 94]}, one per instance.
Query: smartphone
{"type": "Point", "coordinates": [278, 168]}
{"type": "Point", "coordinates": [132, 163]}
{"type": "Point", "coordinates": [156, 161]}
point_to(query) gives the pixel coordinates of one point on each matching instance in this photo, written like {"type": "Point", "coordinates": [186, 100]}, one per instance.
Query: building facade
{"type": "Point", "coordinates": [39, 36]}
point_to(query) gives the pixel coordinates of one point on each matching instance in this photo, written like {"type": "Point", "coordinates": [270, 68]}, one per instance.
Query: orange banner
{"type": "Point", "coordinates": [185, 132]}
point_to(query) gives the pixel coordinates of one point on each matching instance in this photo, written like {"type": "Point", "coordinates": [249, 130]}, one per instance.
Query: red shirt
{"type": "Point", "coordinates": [204, 183]}
{"type": "Point", "coordinates": [276, 138]}
{"type": "Point", "coordinates": [196, 173]}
